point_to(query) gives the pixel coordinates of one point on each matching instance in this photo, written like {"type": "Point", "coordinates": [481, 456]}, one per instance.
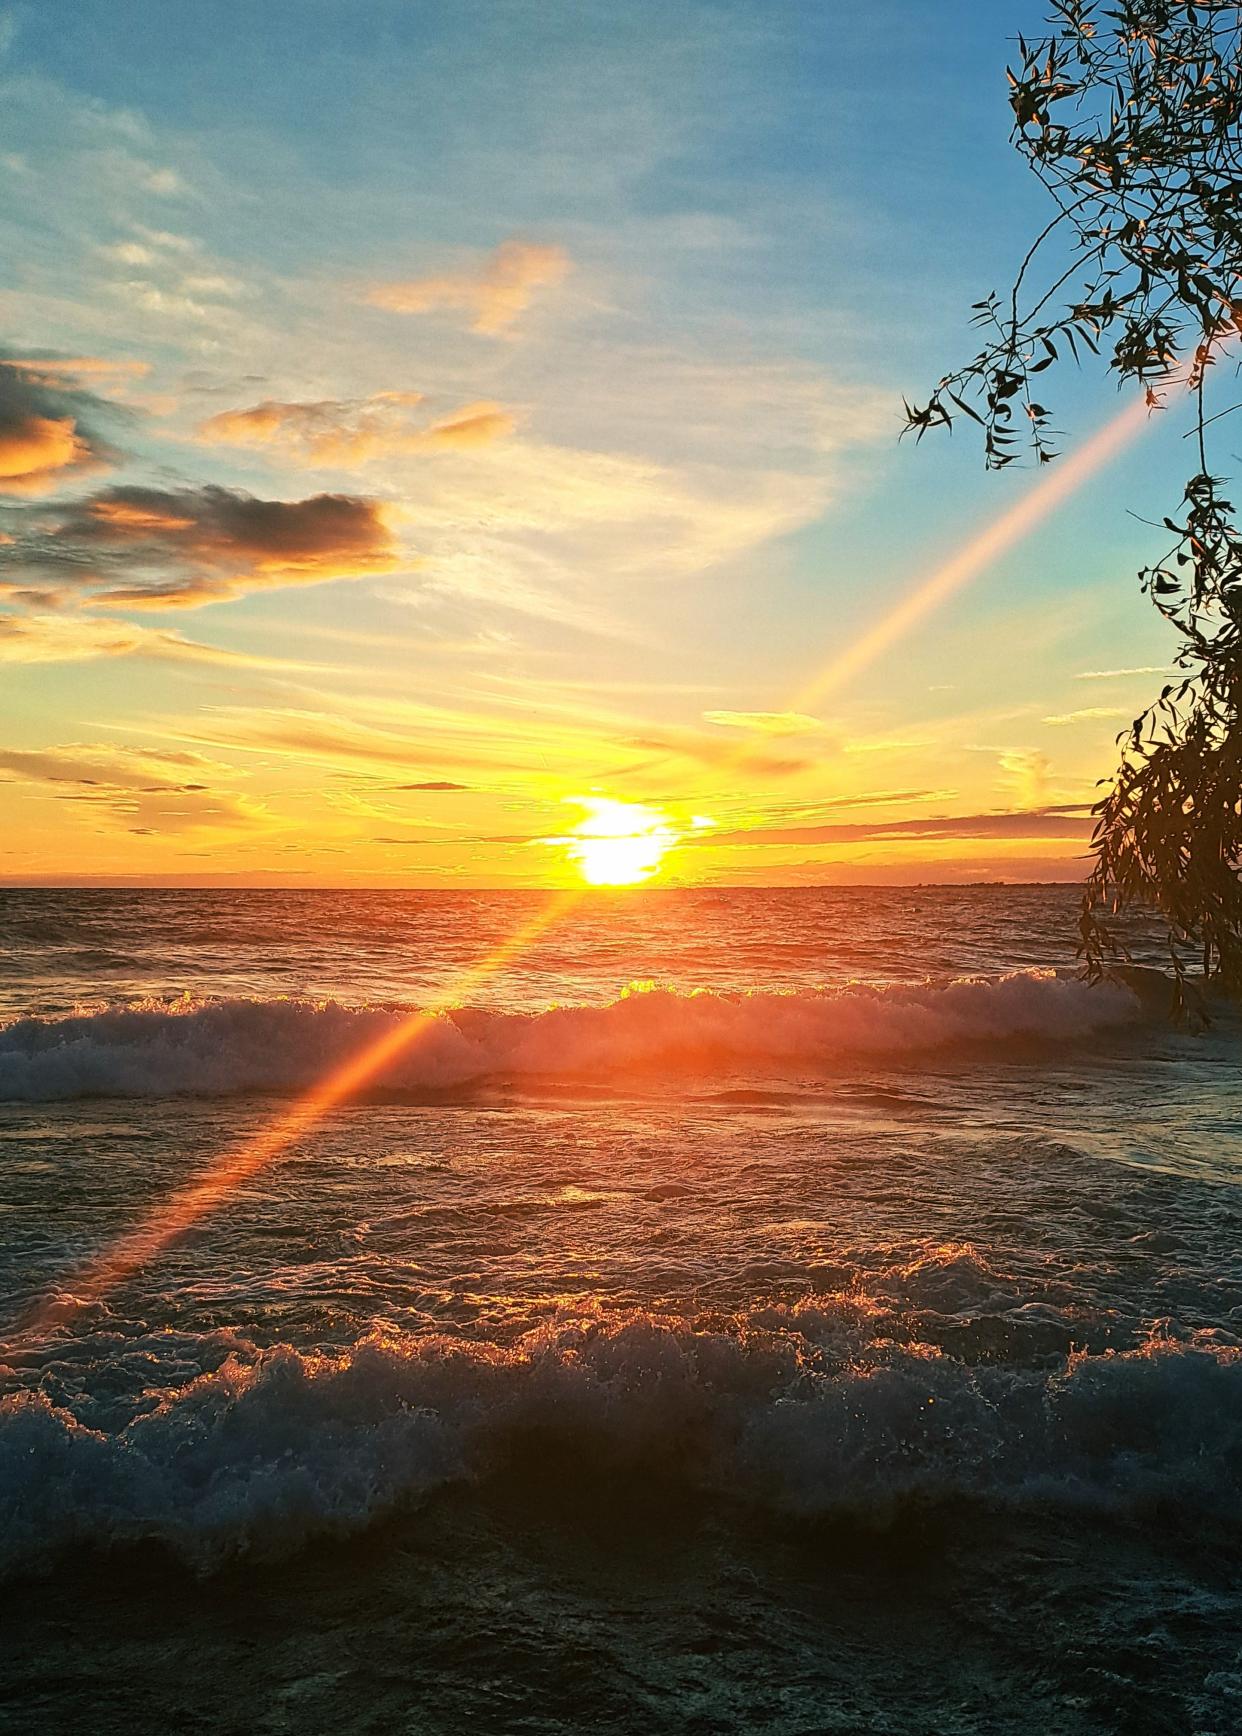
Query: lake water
{"type": "Point", "coordinates": [793, 1311]}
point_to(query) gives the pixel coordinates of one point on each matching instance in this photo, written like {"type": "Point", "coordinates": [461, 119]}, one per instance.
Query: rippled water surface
{"type": "Point", "coordinates": [794, 1311]}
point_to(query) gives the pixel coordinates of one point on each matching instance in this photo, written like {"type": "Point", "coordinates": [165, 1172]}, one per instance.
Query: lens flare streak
{"type": "Point", "coordinates": [184, 1208]}
{"type": "Point", "coordinates": [1055, 486]}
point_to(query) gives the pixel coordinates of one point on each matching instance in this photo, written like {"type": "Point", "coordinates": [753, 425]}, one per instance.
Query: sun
{"type": "Point", "coordinates": [618, 843]}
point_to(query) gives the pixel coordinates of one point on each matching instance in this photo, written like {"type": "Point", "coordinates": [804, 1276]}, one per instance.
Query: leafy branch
{"type": "Point", "coordinates": [1130, 115]}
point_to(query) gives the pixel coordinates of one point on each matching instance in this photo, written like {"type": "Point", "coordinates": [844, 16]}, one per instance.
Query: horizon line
{"type": "Point", "coordinates": [122, 883]}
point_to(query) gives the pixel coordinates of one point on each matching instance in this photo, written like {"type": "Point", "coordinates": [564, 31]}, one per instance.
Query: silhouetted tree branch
{"type": "Point", "coordinates": [1131, 116]}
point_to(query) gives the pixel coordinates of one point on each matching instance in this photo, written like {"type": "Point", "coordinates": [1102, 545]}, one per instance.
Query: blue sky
{"type": "Point", "coordinates": [598, 318]}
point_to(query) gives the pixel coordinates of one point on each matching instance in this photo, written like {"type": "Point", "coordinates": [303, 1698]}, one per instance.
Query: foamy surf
{"type": "Point", "coordinates": [795, 1412]}
{"type": "Point", "coordinates": [236, 1047]}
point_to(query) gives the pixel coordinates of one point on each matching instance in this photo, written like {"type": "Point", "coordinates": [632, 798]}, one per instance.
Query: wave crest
{"type": "Point", "coordinates": [227, 1047]}
{"type": "Point", "coordinates": [779, 1410]}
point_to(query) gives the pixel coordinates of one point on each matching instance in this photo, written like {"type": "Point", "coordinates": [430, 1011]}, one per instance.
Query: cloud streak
{"type": "Point", "coordinates": [1067, 821]}
{"type": "Point", "coordinates": [75, 638]}
{"type": "Point", "coordinates": [710, 751]}
{"type": "Point", "coordinates": [1087, 714]}
{"type": "Point", "coordinates": [349, 434]}
{"type": "Point", "coordinates": [146, 791]}
{"type": "Point", "coordinates": [766, 722]}
{"type": "Point", "coordinates": [1116, 674]}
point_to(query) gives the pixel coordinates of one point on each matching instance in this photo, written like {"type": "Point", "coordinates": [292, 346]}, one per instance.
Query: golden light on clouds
{"type": "Point", "coordinates": [493, 295]}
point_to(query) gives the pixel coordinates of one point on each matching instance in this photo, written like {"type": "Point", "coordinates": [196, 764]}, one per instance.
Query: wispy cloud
{"type": "Point", "coordinates": [1116, 674]}
{"type": "Point", "coordinates": [346, 435]}
{"type": "Point", "coordinates": [1088, 714]}
{"type": "Point", "coordinates": [81, 638]}
{"type": "Point", "coordinates": [1069, 821]}
{"type": "Point", "coordinates": [144, 790]}
{"type": "Point", "coordinates": [766, 722]}
{"type": "Point", "coordinates": [338, 740]}
{"type": "Point", "coordinates": [549, 529]}
{"type": "Point", "coordinates": [707, 750]}
{"type": "Point", "coordinates": [1027, 775]}
{"type": "Point", "coordinates": [493, 295]}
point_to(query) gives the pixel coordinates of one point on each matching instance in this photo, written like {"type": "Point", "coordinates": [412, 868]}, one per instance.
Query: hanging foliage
{"type": "Point", "coordinates": [1131, 117]}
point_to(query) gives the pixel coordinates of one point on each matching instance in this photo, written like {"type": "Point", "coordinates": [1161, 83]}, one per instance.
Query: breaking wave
{"type": "Point", "coordinates": [227, 1047]}
{"type": "Point", "coordinates": [783, 1410]}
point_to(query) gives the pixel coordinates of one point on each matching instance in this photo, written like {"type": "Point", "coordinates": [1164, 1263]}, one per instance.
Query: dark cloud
{"type": "Point", "coordinates": [48, 429]}
{"type": "Point", "coordinates": [433, 784]}
{"type": "Point", "coordinates": [152, 548]}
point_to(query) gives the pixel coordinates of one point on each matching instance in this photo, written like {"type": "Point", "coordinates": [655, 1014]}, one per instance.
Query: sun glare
{"type": "Point", "coordinates": [618, 843]}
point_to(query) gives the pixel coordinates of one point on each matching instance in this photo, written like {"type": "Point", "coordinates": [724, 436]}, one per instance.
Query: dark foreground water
{"type": "Point", "coordinates": [840, 1331]}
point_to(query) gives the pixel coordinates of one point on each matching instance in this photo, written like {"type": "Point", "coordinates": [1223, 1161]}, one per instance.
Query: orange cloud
{"type": "Point", "coordinates": [346, 435]}
{"type": "Point", "coordinates": [50, 369]}
{"type": "Point", "coordinates": [33, 448]}
{"type": "Point", "coordinates": [43, 432]}
{"type": "Point", "coordinates": [74, 638]}
{"type": "Point", "coordinates": [186, 547]}
{"type": "Point", "coordinates": [494, 296]}
{"type": "Point", "coordinates": [132, 516]}
{"type": "Point", "coordinates": [473, 425]}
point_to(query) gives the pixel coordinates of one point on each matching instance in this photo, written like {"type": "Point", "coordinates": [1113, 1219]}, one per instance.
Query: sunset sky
{"type": "Point", "coordinates": [424, 425]}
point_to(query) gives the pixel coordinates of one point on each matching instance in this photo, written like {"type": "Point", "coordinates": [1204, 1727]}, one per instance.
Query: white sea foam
{"type": "Point", "coordinates": [275, 1447]}
{"type": "Point", "coordinates": [227, 1047]}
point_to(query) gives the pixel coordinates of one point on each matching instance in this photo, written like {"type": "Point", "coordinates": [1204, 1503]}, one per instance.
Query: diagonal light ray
{"type": "Point", "coordinates": [1054, 487]}
{"type": "Point", "coordinates": [971, 559]}
{"type": "Point", "coordinates": [184, 1208]}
